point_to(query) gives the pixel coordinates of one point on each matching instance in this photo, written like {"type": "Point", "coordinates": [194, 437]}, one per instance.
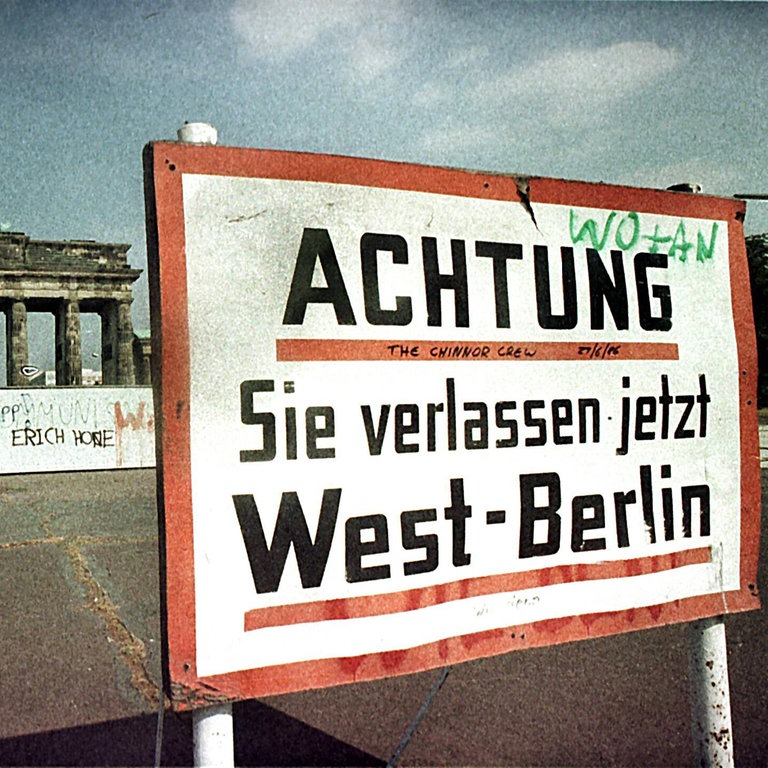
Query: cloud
{"type": "Point", "coordinates": [278, 29]}
{"type": "Point", "coordinates": [432, 95]}
{"type": "Point", "coordinates": [569, 91]}
{"type": "Point", "coordinates": [363, 36]}
{"type": "Point", "coordinates": [468, 56]}
{"type": "Point", "coordinates": [442, 141]}
{"type": "Point", "coordinates": [367, 57]}
{"type": "Point", "coordinates": [584, 78]}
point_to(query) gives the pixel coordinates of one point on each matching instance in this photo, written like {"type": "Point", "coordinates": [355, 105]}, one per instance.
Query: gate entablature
{"type": "Point", "coordinates": [65, 277]}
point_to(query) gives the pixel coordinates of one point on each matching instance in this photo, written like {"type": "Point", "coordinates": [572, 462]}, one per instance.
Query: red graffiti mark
{"type": "Point", "coordinates": [552, 626]}
{"type": "Point", "coordinates": [392, 660]}
{"type": "Point", "coordinates": [655, 611]}
{"type": "Point", "coordinates": [138, 421]}
{"type": "Point", "coordinates": [337, 609]}
{"type": "Point", "coordinates": [413, 600]}
{"type": "Point", "coordinates": [350, 664]}
{"type": "Point", "coordinates": [588, 619]}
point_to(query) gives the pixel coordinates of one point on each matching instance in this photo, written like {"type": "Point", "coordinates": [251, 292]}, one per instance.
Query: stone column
{"type": "Point", "coordinates": [124, 357]}
{"type": "Point", "coordinates": [69, 356]}
{"type": "Point", "coordinates": [117, 343]}
{"type": "Point", "coordinates": [16, 348]}
{"type": "Point", "coordinates": [108, 312]}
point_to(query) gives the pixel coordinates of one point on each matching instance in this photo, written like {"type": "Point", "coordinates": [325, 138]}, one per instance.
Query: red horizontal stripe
{"type": "Point", "coordinates": [292, 350]}
{"type": "Point", "coordinates": [413, 599]}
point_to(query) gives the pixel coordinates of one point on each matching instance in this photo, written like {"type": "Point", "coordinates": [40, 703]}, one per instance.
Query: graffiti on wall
{"type": "Point", "coordinates": [69, 429]}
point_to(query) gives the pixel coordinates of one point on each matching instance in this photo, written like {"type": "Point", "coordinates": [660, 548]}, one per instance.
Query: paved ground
{"type": "Point", "coordinates": [80, 664]}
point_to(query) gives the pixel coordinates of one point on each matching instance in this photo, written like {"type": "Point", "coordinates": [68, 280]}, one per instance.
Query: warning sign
{"type": "Point", "coordinates": [413, 416]}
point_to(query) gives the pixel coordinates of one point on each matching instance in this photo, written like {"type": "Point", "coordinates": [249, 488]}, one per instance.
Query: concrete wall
{"type": "Point", "coordinates": [76, 428]}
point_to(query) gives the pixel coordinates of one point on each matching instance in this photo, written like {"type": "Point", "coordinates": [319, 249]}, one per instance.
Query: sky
{"type": "Point", "coordinates": [643, 94]}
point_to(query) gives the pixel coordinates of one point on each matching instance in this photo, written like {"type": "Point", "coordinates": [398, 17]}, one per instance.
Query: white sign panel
{"type": "Point", "coordinates": [434, 415]}
{"type": "Point", "coordinates": [71, 429]}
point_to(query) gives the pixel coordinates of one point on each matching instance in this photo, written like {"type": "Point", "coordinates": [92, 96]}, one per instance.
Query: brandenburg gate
{"type": "Point", "coordinates": [67, 278]}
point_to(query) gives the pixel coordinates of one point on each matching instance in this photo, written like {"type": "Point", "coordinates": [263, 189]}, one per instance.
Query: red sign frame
{"type": "Point", "coordinates": [165, 163]}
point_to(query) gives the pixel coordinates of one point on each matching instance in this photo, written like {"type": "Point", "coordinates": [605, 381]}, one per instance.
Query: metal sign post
{"type": "Point", "coordinates": [708, 672]}
{"type": "Point", "coordinates": [213, 737]}
{"type": "Point", "coordinates": [212, 727]}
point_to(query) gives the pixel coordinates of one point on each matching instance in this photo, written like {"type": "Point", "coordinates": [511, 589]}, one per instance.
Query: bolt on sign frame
{"type": "Point", "coordinates": [411, 416]}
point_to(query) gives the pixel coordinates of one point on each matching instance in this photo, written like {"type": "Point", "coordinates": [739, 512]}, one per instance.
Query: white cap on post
{"type": "Point", "coordinates": [197, 133]}
{"type": "Point", "coordinates": [213, 741]}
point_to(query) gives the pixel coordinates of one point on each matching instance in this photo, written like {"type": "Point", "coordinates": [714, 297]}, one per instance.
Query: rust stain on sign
{"type": "Point", "coordinates": [194, 697]}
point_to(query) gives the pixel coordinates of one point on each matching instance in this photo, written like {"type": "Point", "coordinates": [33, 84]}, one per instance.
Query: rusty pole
{"type": "Point", "coordinates": [710, 695]}
{"type": "Point", "coordinates": [212, 729]}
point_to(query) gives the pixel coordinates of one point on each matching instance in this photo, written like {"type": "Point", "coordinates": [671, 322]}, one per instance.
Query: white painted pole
{"type": "Point", "coordinates": [212, 729]}
{"type": "Point", "coordinates": [710, 694]}
{"type": "Point", "coordinates": [213, 737]}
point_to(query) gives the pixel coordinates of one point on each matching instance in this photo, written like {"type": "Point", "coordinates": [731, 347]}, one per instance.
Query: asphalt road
{"type": "Point", "coordinates": [80, 667]}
